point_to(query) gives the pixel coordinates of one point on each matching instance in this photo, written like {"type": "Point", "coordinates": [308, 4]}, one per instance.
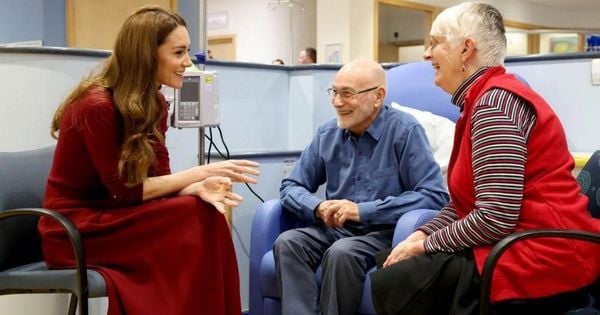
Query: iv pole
{"type": "Point", "coordinates": [274, 5]}
{"type": "Point", "coordinates": [203, 46]}
{"type": "Point", "coordinates": [203, 43]}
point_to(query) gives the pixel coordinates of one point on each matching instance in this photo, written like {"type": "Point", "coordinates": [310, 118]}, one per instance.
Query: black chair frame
{"type": "Point", "coordinates": [77, 298]}
{"type": "Point", "coordinates": [501, 247]}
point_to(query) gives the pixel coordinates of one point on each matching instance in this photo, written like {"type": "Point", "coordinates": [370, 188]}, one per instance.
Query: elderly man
{"type": "Point", "coordinates": [377, 165]}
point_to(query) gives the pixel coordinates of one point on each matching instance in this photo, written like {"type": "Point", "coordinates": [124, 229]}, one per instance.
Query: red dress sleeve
{"type": "Point", "coordinates": [85, 168]}
{"type": "Point", "coordinates": [101, 129]}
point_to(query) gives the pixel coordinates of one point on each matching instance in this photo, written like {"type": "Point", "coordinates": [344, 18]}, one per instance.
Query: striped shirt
{"type": "Point", "coordinates": [501, 124]}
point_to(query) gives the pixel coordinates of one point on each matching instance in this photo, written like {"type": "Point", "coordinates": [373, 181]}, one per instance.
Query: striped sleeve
{"type": "Point", "coordinates": [501, 125]}
{"type": "Point", "coordinates": [444, 218]}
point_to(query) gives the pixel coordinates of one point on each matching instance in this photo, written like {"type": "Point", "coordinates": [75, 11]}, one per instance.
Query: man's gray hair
{"type": "Point", "coordinates": [480, 21]}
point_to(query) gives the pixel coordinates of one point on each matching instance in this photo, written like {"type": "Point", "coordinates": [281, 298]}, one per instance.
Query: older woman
{"type": "Point", "coordinates": [510, 171]}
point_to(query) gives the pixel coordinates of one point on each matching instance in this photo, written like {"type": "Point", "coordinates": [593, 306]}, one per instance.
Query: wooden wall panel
{"type": "Point", "coordinates": [95, 24]}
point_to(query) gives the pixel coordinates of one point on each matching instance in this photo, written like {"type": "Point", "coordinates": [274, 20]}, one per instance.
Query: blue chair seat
{"type": "Point", "coordinates": [37, 277]}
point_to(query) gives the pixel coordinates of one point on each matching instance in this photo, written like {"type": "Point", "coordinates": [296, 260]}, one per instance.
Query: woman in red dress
{"type": "Point", "coordinates": [158, 238]}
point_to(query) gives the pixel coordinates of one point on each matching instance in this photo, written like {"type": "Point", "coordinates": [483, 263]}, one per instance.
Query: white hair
{"type": "Point", "coordinates": [480, 21]}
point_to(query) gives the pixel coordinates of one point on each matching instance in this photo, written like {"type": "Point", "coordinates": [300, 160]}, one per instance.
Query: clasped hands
{"type": "Point", "coordinates": [335, 213]}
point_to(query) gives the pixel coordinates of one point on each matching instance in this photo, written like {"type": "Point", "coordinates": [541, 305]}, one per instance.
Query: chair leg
{"type": "Point", "coordinates": [83, 304]}
{"type": "Point", "coordinates": [72, 304]}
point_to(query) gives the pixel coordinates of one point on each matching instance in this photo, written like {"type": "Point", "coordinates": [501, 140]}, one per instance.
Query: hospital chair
{"type": "Point", "coordinates": [589, 180]}
{"type": "Point", "coordinates": [409, 85]}
{"type": "Point", "coordinates": [22, 269]}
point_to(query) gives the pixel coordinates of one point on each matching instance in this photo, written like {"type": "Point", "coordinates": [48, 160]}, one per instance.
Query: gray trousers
{"type": "Point", "coordinates": [344, 256]}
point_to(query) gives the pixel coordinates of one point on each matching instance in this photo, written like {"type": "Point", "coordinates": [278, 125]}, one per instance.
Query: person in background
{"type": "Point", "coordinates": [278, 62]}
{"type": "Point", "coordinates": [376, 165]}
{"type": "Point", "coordinates": [307, 55]}
{"type": "Point", "coordinates": [158, 238]}
{"type": "Point", "coordinates": [510, 171]}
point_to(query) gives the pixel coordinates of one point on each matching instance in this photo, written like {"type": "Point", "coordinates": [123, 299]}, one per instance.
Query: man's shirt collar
{"type": "Point", "coordinates": [375, 129]}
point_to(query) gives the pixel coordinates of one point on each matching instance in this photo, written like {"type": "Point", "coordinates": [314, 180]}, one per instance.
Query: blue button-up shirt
{"type": "Point", "coordinates": [387, 171]}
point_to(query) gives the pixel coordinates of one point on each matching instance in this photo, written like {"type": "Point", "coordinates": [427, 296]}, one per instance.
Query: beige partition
{"type": "Point", "coordinates": [95, 24]}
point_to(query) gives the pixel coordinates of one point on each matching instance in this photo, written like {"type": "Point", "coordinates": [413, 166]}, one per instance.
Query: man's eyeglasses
{"type": "Point", "coordinates": [347, 95]}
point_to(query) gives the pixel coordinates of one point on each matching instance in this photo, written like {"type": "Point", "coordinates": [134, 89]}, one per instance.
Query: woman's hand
{"type": "Point", "coordinates": [186, 182]}
{"type": "Point", "coordinates": [236, 170]}
{"type": "Point", "coordinates": [406, 249]}
{"type": "Point", "coordinates": [215, 190]}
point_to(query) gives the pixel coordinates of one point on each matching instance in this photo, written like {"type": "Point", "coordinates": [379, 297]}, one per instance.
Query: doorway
{"type": "Point", "coordinates": [402, 30]}
{"type": "Point", "coordinates": [222, 47]}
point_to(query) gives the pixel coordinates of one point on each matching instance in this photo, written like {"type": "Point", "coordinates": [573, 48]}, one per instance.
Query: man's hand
{"type": "Point", "coordinates": [337, 212]}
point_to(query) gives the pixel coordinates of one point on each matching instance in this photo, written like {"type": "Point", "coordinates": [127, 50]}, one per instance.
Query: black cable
{"type": "Point", "coordinates": [228, 156]}
{"type": "Point", "coordinates": [227, 150]}
{"type": "Point", "coordinates": [222, 140]}
{"type": "Point", "coordinates": [254, 193]}
{"type": "Point", "coordinates": [215, 146]}
{"type": "Point", "coordinates": [209, 147]}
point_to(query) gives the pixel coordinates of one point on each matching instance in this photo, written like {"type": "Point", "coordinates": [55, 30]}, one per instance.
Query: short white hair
{"type": "Point", "coordinates": [480, 21]}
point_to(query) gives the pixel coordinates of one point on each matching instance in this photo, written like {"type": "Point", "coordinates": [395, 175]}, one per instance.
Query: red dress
{"type": "Point", "coordinates": [166, 256]}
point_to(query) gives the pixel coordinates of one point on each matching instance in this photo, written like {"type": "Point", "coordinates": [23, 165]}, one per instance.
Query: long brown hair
{"type": "Point", "coordinates": [130, 73]}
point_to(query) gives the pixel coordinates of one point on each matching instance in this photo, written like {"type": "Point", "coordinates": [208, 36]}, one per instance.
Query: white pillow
{"type": "Point", "coordinates": [439, 131]}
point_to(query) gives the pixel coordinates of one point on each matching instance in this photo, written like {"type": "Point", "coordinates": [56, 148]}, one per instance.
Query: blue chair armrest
{"type": "Point", "coordinates": [406, 225]}
{"type": "Point", "coordinates": [269, 221]}
{"type": "Point", "coordinates": [410, 221]}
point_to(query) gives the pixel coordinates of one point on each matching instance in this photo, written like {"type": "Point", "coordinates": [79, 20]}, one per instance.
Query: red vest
{"type": "Point", "coordinates": [552, 199]}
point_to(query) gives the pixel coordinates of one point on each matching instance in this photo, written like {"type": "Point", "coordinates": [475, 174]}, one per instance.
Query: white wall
{"type": "Point", "coordinates": [28, 103]}
{"type": "Point", "coordinates": [345, 22]}
{"type": "Point", "coordinates": [566, 85]}
{"type": "Point", "coordinates": [516, 43]}
{"type": "Point", "coordinates": [411, 53]}
{"type": "Point", "coordinates": [263, 35]}
{"type": "Point", "coordinates": [361, 30]}
{"type": "Point", "coordinates": [333, 27]}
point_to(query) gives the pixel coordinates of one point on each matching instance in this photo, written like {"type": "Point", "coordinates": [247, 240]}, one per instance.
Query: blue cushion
{"type": "Point", "coordinates": [268, 276]}
{"type": "Point", "coordinates": [412, 85]}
